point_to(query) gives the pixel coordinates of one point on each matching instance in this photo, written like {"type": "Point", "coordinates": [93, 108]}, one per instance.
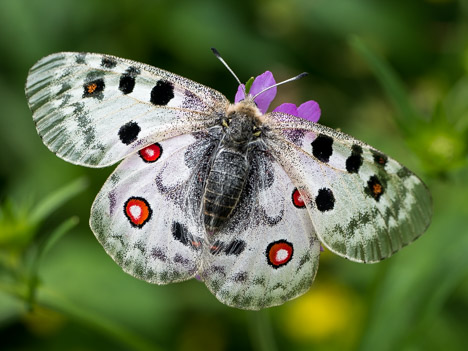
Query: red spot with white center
{"type": "Point", "coordinates": [151, 153]}
{"type": "Point", "coordinates": [137, 211]}
{"type": "Point", "coordinates": [279, 253]}
{"type": "Point", "coordinates": [297, 199]}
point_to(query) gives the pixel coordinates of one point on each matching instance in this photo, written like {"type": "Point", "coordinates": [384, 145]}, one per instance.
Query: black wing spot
{"type": "Point", "coordinates": [325, 200]}
{"type": "Point", "coordinates": [354, 162]}
{"type": "Point", "coordinates": [162, 93]}
{"type": "Point", "coordinates": [126, 84]}
{"type": "Point", "coordinates": [374, 188]}
{"type": "Point", "coordinates": [236, 247]}
{"type": "Point", "coordinates": [127, 80]}
{"type": "Point", "coordinates": [322, 147]}
{"type": "Point", "coordinates": [379, 158]}
{"type": "Point", "coordinates": [94, 88]}
{"type": "Point", "coordinates": [181, 233]}
{"type": "Point", "coordinates": [403, 172]}
{"type": "Point", "coordinates": [108, 62]}
{"type": "Point", "coordinates": [128, 133]}
{"type": "Point", "coordinates": [80, 58]}
{"type": "Point", "coordinates": [217, 247]}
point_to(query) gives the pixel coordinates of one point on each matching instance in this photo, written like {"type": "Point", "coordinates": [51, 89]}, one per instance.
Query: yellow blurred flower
{"type": "Point", "coordinates": [327, 310]}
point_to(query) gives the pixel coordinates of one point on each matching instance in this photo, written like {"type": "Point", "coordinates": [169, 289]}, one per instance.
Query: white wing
{"type": "Point", "coordinates": [140, 215]}
{"type": "Point", "coordinates": [94, 110]}
{"type": "Point", "coordinates": [268, 253]}
{"type": "Point", "coordinates": [363, 205]}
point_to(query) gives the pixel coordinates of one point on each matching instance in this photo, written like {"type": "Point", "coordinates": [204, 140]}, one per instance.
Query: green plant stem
{"type": "Point", "coordinates": [106, 326]}
{"type": "Point", "coordinates": [261, 331]}
{"type": "Point", "coordinates": [52, 300]}
{"type": "Point", "coordinates": [33, 279]}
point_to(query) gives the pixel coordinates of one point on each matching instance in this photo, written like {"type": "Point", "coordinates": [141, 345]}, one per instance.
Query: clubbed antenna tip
{"type": "Point", "coordinates": [216, 52]}
{"type": "Point", "coordinates": [218, 56]}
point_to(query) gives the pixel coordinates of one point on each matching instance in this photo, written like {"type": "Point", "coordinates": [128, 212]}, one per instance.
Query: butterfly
{"type": "Point", "coordinates": [241, 199]}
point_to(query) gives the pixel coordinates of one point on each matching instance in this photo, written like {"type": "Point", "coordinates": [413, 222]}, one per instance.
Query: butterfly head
{"type": "Point", "coordinates": [243, 121]}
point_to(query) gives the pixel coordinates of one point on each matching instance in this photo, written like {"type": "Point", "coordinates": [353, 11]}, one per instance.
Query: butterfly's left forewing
{"type": "Point", "coordinates": [93, 109]}
{"type": "Point", "coordinates": [363, 205]}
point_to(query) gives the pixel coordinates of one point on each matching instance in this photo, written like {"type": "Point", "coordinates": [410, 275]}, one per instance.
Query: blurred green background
{"type": "Point", "coordinates": [391, 73]}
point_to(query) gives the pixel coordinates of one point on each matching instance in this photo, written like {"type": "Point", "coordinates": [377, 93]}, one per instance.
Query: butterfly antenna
{"type": "Point", "coordinates": [218, 56]}
{"type": "Point", "coordinates": [302, 75]}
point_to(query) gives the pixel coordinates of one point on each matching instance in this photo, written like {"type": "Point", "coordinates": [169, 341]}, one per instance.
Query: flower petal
{"type": "Point", "coordinates": [288, 108]}
{"type": "Point", "coordinates": [261, 82]}
{"type": "Point", "coordinates": [309, 110]}
{"type": "Point", "coordinates": [240, 95]}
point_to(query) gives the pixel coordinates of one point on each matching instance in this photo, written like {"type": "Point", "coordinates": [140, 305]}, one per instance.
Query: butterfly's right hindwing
{"type": "Point", "coordinates": [141, 215]}
{"type": "Point", "coordinates": [94, 110]}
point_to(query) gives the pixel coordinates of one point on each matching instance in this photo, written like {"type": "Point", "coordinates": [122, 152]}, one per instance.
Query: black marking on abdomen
{"type": "Point", "coordinates": [223, 188]}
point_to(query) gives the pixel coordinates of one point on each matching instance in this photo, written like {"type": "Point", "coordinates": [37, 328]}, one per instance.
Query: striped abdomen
{"type": "Point", "coordinates": [223, 187]}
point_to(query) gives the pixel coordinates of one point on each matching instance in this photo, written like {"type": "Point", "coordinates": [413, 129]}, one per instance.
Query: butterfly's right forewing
{"type": "Point", "coordinates": [364, 205]}
{"type": "Point", "coordinates": [94, 110]}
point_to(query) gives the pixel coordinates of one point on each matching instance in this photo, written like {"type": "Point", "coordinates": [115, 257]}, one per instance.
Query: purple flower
{"type": "Point", "coordinates": [309, 110]}
{"type": "Point", "coordinates": [261, 82]}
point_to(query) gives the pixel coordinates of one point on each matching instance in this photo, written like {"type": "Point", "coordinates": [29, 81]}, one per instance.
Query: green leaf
{"type": "Point", "coordinates": [248, 85]}
{"type": "Point", "coordinates": [407, 118]}
{"type": "Point", "coordinates": [57, 199]}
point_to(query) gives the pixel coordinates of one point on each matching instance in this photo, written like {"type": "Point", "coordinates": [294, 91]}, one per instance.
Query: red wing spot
{"type": "Point", "coordinates": [151, 153]}
{"type": "Point", "coordinates": [279, 253]}
{"type": "Point", "coordinates": [297, 199]}
{"type": "Point", "coordinates": [138, 211]}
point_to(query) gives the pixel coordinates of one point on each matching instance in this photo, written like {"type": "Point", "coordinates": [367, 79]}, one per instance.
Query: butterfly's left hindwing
{"type": "Point", "coordinates": [140, 215]}
{"type": "Point", "coordinates": [363, 205]}
{"type": "Point", "coordinates": [94, 110]}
